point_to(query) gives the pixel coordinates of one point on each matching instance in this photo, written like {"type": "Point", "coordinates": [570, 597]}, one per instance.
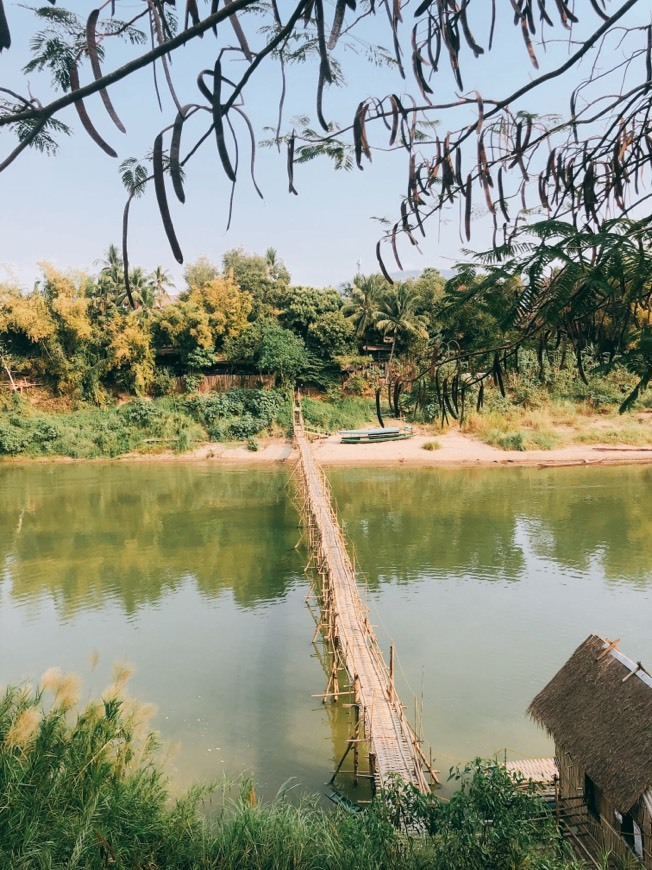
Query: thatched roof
{"type": "Point", "coordinates": [601, 719]}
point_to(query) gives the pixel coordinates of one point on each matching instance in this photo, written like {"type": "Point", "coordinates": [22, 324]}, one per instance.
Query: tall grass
{"type": "Point", "coordinates": [85, 788]}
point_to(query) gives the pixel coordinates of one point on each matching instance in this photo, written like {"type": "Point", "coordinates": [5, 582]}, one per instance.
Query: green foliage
{"type": "Point", "coordinates": [506, 440]}
{"type": "Point", "coordinates": [301, 307]}
{"type": "Point", "coordinates": [347, 412]}
{"type": "Point", "coordinates": [331, 335]}
{"type": "Point", "coordinates": [84, 787]}
{"type": "Point", "coordinates": [163, 382]}
{"type": "Point", "coordinates": [87, 434]}
{"type": "Point", "coordinates": [431, 445]}
{"type": "Point", "coordinates": [141, 413]}
{"type": "Point", "coordinates": [238, 414]}
{"type": "Point", "coordinates": [270, 348]}
{"type": "Point", "coordinates": [192, 381]}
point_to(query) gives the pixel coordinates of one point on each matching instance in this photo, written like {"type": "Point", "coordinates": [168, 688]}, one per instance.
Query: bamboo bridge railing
{"type": "Point", "coordinates": [380, 722]}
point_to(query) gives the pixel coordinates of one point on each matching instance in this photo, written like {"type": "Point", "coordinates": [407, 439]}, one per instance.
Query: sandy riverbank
{"type": "Point", "coordinates": [456, 450]}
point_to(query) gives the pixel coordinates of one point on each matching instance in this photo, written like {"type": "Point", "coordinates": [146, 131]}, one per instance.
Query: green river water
{"type": "Point", "coordinates": [486, 581]}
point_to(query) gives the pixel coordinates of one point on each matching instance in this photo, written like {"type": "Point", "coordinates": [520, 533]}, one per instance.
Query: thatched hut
{"type": "Point", "coordinates": [598, 710]}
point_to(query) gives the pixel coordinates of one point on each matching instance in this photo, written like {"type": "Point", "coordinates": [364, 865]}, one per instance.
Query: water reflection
{"type": "Point", "coordinates": [485, 580]}
{"type": "Point", "coordinates": [93, 533]}
{"type": "Point", "coordinates": [461, 523]}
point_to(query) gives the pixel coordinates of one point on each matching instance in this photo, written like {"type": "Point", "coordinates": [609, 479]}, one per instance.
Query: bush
{"type": "Point", "coordinates": [431, 445]}
{"type": "Point", "coordinates": [140, 412]}
{"type": "Point", "coordinates": [237, 414]}
{"type": "Point", "coordinates": [348, 412]}
{"type": "Point", "coordinates": [164, 382]}
{"type": "Point", "coordinates": [506, 440]}
{"type": "Point", "coordinates": [192, 381]}
{"type": "Point", "coordinates": [252, 445]}
{"type": "Point", "coordinates": [12, 440]}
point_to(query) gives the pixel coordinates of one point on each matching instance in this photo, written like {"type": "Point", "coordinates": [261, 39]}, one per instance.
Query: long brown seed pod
{"type": "Point", "coordinates": [360, 144]}
{"type": "Point", "coordinates": [467, 206]}
{"type": "Point", "coordinates": [91, 44]}
{"type": "Point", "coordinates": [239, 32]}
{"type": "Point", "coordinates": [386, 274]}
{"type": "Point", "coordinates": [161, 197]}
{"type": "Point", "coordinates": [290, 165]}
{"type": "Point", "coordinates": [83, 114]}
{"type": "Point", "coordinates": [501, 195]}
{"type": "Point", "coordinates": [218, 122]}
{"type": "Point", "coordinates": [5, 34]}
{"type": "Point", "coordinates": [338, 21]}
{"type": "Point", "coordinates": [175, 152]}
{"type": "Point", "coordinates": [252, 138]}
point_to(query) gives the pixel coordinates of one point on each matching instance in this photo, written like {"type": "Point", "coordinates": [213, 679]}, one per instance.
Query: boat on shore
{"type": "Point", "coordinates": [370, 436]}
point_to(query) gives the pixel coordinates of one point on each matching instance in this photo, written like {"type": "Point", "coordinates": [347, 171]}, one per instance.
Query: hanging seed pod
{"type": "Point", "coordinates": [83, 114]}
{"type": "Point", "coordinates": [218, 121]}
{"type": "Point", "coordinates": [91, 45]}
{"type": "Point", "coordinates": [360, 142]}
{"type": "Point", "coordinates": [161, 197]}
{"type": "Point", "coordinates": [480, 401]}
{"type": "Point", "coordinates": [175, 153]}
{"type": "Point", "coordinates": [501, 195]}
{"type": "Point", "coordinates": [290, 166]}
{"type": "Point", "coordinates": [5, 35]}
{"type": "Point", "coordinates": [468, 197]}
{"type": "Point", "coordinates": [498, 376]}
{"type": "Point", "coordinates": [381, 264]}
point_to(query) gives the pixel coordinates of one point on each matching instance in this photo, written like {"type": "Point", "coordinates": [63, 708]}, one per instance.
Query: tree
{"type": "Point", "coordinates": [201, 272]}
{"type": "Point", "coordinates": [330, 335]}
{"type": "Point", "coordinates": [111, 279]}
{"type": "Point", "coordinates": [300, 307]}
{"type": "Point", "coordinates": [396, 315]}
{"type": "Point", "coordinates": [162, 281]}
{"type": "Point", "coordinates": [263, 277]}
{"type": "Point", "coordinates": [581, 164]}
{"type": "Point", "coordinates": [270, 348]}
{"type": "Point", "coordinates": [362, 300]}
{"type": "Point", "coordinates": [489, 154]}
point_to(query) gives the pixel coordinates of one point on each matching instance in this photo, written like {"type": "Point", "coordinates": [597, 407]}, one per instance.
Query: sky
{"type": "Point", "coordinates": [67, 209]}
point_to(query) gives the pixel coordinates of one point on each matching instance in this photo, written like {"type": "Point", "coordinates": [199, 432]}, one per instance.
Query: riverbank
{"type": "Point", "coordinates": [455, 450]}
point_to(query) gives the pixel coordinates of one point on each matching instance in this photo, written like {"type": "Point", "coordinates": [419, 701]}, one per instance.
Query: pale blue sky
{"type": "Point", "coordinates": [68, 209]}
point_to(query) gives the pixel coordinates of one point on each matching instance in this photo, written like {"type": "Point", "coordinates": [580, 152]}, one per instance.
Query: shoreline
{"type": "Point", "coordinates": [456, 450]}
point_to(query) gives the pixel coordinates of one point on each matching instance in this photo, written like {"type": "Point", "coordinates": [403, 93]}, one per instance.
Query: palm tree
{"type": "Point", "coordinates": [276, 268]}
{"type": "Point", "coordinates": [143, 290]}
{"type": "Point", "coordinates": [161, 280]}
{"type": "Point", "coordinates": [361, 308]}
{"type": "Point", "coordinates": [396, 314]}
{"type": "Point", "coordinates": [110, 281]}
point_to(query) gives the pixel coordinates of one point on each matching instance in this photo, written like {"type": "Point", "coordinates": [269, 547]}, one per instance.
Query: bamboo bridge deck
{"type": "Point", "coordinates": [393, 746]}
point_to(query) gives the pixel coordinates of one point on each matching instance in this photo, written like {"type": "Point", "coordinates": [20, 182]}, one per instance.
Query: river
{"type": "Point", "coordinates": [486, 580]}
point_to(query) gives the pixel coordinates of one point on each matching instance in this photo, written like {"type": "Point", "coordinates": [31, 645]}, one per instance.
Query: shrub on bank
{"type": "Point", "coordinates": [345, 412]}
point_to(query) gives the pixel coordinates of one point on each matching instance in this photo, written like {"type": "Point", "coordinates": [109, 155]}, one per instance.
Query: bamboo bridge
{"type": "Point", "coordinates": [380, 722]}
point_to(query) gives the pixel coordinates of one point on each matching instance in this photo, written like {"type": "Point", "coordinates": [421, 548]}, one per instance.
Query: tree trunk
{"type": "Point", "coordinates": [378, 414]}
{"type": "Point", "coordinates": [6, 368]}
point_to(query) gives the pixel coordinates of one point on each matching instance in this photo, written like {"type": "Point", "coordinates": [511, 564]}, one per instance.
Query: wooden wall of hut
{"type": "Point", "coordinates": [223, 382]}
{"type": "Point", "coordinates": [602, 825]}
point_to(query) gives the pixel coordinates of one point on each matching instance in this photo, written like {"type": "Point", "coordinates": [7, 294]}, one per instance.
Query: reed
{"type": "Point", "coordinates": [86, 788]}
